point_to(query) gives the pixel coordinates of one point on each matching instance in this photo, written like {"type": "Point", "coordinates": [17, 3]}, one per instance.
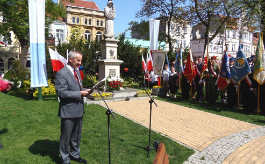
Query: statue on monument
{"type": "Point", "coordinates": [110, 14]}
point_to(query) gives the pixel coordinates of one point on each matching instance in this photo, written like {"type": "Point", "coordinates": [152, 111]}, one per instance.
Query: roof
{"type": "Point", "coordinates": [81, 3]}
{"type": "Point", "coordinates": [144, 43]}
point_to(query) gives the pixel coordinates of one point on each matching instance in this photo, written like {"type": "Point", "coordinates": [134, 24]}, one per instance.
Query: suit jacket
{"type": "Point", "coordinates": [68, 90]}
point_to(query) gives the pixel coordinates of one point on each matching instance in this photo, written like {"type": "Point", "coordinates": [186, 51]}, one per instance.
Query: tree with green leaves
{"type": "Point", "coordinates": [254, 14]}
{"type": "Point", "coordinates": [213, 15]}
{"type": "Point", "coordinates": [167, 11]}
{"type": "Point", "coordinates": [15, 14]}
{"type": "Point", "coordinates": [130, 55]}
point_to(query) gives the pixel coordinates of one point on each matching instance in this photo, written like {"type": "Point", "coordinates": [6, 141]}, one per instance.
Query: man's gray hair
{"type": "Point", "coordinates": [74, 53]}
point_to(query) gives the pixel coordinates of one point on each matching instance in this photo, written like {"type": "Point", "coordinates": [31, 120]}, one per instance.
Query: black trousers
{"type": "Point", "coordinates": [71, 130]}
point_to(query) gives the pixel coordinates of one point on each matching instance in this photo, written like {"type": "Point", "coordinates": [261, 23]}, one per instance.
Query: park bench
{"type": "Point", "coordinates": [161, 155]}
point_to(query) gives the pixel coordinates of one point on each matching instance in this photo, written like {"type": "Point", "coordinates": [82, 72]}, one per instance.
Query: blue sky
{"type": "Point", "coordinates": [125, 13]}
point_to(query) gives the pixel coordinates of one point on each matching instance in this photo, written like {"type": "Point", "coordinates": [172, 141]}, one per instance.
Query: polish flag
{"type": "Point", "coordinates": [143, 63]}
{"type": "Point", "coordinates": [150, 62]}
{"type": "Point", "coordinates": [3, 43]}
{"type": "Point", "coordinates": [58, 61]}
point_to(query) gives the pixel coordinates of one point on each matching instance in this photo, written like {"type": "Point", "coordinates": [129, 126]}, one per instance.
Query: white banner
{"type": "Point", "coordinates": [37, 43]}
{"type": "Point", "coordinates": [158, 61]}
{"type": "Point", "coordinates": [153, 31]}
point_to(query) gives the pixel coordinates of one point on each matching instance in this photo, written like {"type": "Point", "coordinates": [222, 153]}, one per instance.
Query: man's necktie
{"type": "Point", "coordinates": [76, 77]}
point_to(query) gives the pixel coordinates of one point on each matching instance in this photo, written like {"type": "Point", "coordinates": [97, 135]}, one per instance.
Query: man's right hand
{"type": "Point", "coordinates": [84, 93]}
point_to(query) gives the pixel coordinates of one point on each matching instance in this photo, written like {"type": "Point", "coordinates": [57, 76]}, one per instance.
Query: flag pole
{"type": "Point", "coordinates": [238, 95]}
{"type": "Point", "coordinates": [40, 93]}
{"type": "Point", "coordinates": [180, 77]}
{"type": "Point", "coordinates": [191, 91]}
{"type": "Point", "coordinates": [258, 98]}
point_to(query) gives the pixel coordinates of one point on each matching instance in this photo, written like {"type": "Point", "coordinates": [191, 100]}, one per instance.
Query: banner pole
{"type": "Point", "coordinates": [205, 87]}
{"type": "Point", "coordinates": [238, 95]}
{"type": "Point", "coordinates": [180, 77]}
{"type": "Point", "coordinates": [258, 98]}
{"type": "Point", "coordinates": [40, 93]}
{"type": "Point", "coordinates": [191, 91]}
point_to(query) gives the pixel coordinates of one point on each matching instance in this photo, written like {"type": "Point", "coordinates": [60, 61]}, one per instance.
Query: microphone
{"type": "Point", "coordinates": [129, 70]}
{"type": "Point", "coordinates": [82, 68]}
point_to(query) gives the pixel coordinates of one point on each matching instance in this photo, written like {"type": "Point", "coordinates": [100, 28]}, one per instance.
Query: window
{"type": "Point", "coordinates": [88, 35]}
{"type": "Point", "coordinates": [234, 34]}
{"type": "Point", "coordinates": [177, 29]}
{"type": "Point", "coordinates": [85, 21]}
{"type": "Point", "coordinates": [73, 20]}
{"type": "Point", "coordinates": [99, 36]}
{"type": "Point", "coordinates": [97, 22]}
{"type": "Point", "coordinates": [228, 34]}
{"type": "Point", "coordinates": [1, 65]}
{"type": "Point", "coordinates": [10, 63]}
{"type": "Point", "coordinates": [89, 22]}
{"type": "Point", "coordinates": [6, 40]}
{"type": "Point", "coordinates": [59, 35]}
{"type": "Point", "coordinates": [185, 29]}
{"type": "Point", "coordinates": [77, 20]}
{"type": "Point", "coordinates": [233, 47]}
{"type": "Point", "coordinates": [184, 44]}
{"type": "Point", "coordinates": [101, 23]}
{"type": "Point", "coordinates": [211, 48]}
{"type": "Point", "coordinates": [177, 44]}
{"type": "Point", "coordinates": [249, 36]}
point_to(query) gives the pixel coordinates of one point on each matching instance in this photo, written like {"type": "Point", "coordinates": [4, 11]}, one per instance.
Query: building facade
{"type": "Point", "coordinates": [82, 16]}
{"type": "Point", "coordinates": [229, 37]}
{"type": "Point", "coordinates": [9, 50]}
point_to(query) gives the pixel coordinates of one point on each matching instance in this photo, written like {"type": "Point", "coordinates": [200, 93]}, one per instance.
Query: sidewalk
{"type": "Point", "coordinates": [215, 139]}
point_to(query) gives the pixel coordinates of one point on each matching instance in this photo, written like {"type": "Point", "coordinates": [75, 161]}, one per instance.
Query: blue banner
{"type": "Point", "coordinates": [178, 64]}
{"type": "Point", "coordinates": [37, 43]}
{"type": "Point", "coordinates": [241, 67]}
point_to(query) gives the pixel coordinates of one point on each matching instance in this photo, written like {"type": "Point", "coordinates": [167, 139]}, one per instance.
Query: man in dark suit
{"type": "Point", "coordinates": [69, 89]}
{"type": "Point", "coordinates": [198, 80]}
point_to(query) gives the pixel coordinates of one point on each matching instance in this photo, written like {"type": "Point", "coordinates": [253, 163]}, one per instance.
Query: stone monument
{"type": "Point", "coordinates": [109, 65]}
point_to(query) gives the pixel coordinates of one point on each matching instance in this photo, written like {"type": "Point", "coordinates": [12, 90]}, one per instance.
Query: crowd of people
{"type": "Point", "coordinates": [204, 86]}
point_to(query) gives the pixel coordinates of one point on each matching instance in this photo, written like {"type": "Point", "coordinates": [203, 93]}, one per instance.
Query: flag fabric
{"type": "Point", "coordinates": [58, 61]}
{"type": "Point", "coordinates": [241, 67]}
{"type": "Point", "coordinates": [3, 43]}
{"type": "Point", "coordinates": [205, 62]}
{"type": "Point", "coordinates": [153, 31]}
{"type": "Point", "coordinates": [224, 78]}
{"type": "Point", "coordinates": [178, 63]}
{"type": "Point", "coordinates": [259, 67]}
{"type": "Point", "coordinates": [150, 62]}
{"type": "Point", "coordinates": [189, 71]}
{"type": "Point", "coordinates": [168, 65]}
{"type": "Point", "coordinates": [143, 64]}
{"type": "Point", "coordinates": [37, 43]}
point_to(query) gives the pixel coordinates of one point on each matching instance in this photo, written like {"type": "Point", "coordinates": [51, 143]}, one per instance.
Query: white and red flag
{"type": "Point", "coordinates": [150, 62]}
{"type": "Point", "coordinates": [58, 61]}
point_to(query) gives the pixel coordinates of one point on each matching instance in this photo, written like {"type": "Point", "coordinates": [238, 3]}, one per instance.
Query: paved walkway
{"type": "Point", "coordinates": [214, 138]}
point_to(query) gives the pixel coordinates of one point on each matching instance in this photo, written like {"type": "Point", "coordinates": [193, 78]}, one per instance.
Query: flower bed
{"type": "Point", "coordinates": [96, 96]}
{"type": "Point", "coordinates": [114, 83]}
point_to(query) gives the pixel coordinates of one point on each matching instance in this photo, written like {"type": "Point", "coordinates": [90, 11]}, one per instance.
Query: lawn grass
{"type": "Point", "coordinates": [219, 109]}
{"type": "Point", "coordinates": [30, 132]}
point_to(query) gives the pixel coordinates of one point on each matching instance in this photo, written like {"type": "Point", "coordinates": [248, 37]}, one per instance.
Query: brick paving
{"type": "Point", "coordinates": [215, 139]}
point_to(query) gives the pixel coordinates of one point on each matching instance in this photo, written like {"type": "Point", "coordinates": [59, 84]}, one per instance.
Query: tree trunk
{"type": "Point", "coordinates": [24, 52]}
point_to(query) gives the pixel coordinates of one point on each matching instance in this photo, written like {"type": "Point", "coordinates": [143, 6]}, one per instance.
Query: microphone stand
{"type": "Point", "coordinates": [151, 101]}
{"type": "Point", "coordinates": [108, 113]}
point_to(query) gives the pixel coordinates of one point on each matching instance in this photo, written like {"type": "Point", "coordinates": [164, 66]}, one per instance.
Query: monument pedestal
{"type": "Point", "coordinates": [109, 65]}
